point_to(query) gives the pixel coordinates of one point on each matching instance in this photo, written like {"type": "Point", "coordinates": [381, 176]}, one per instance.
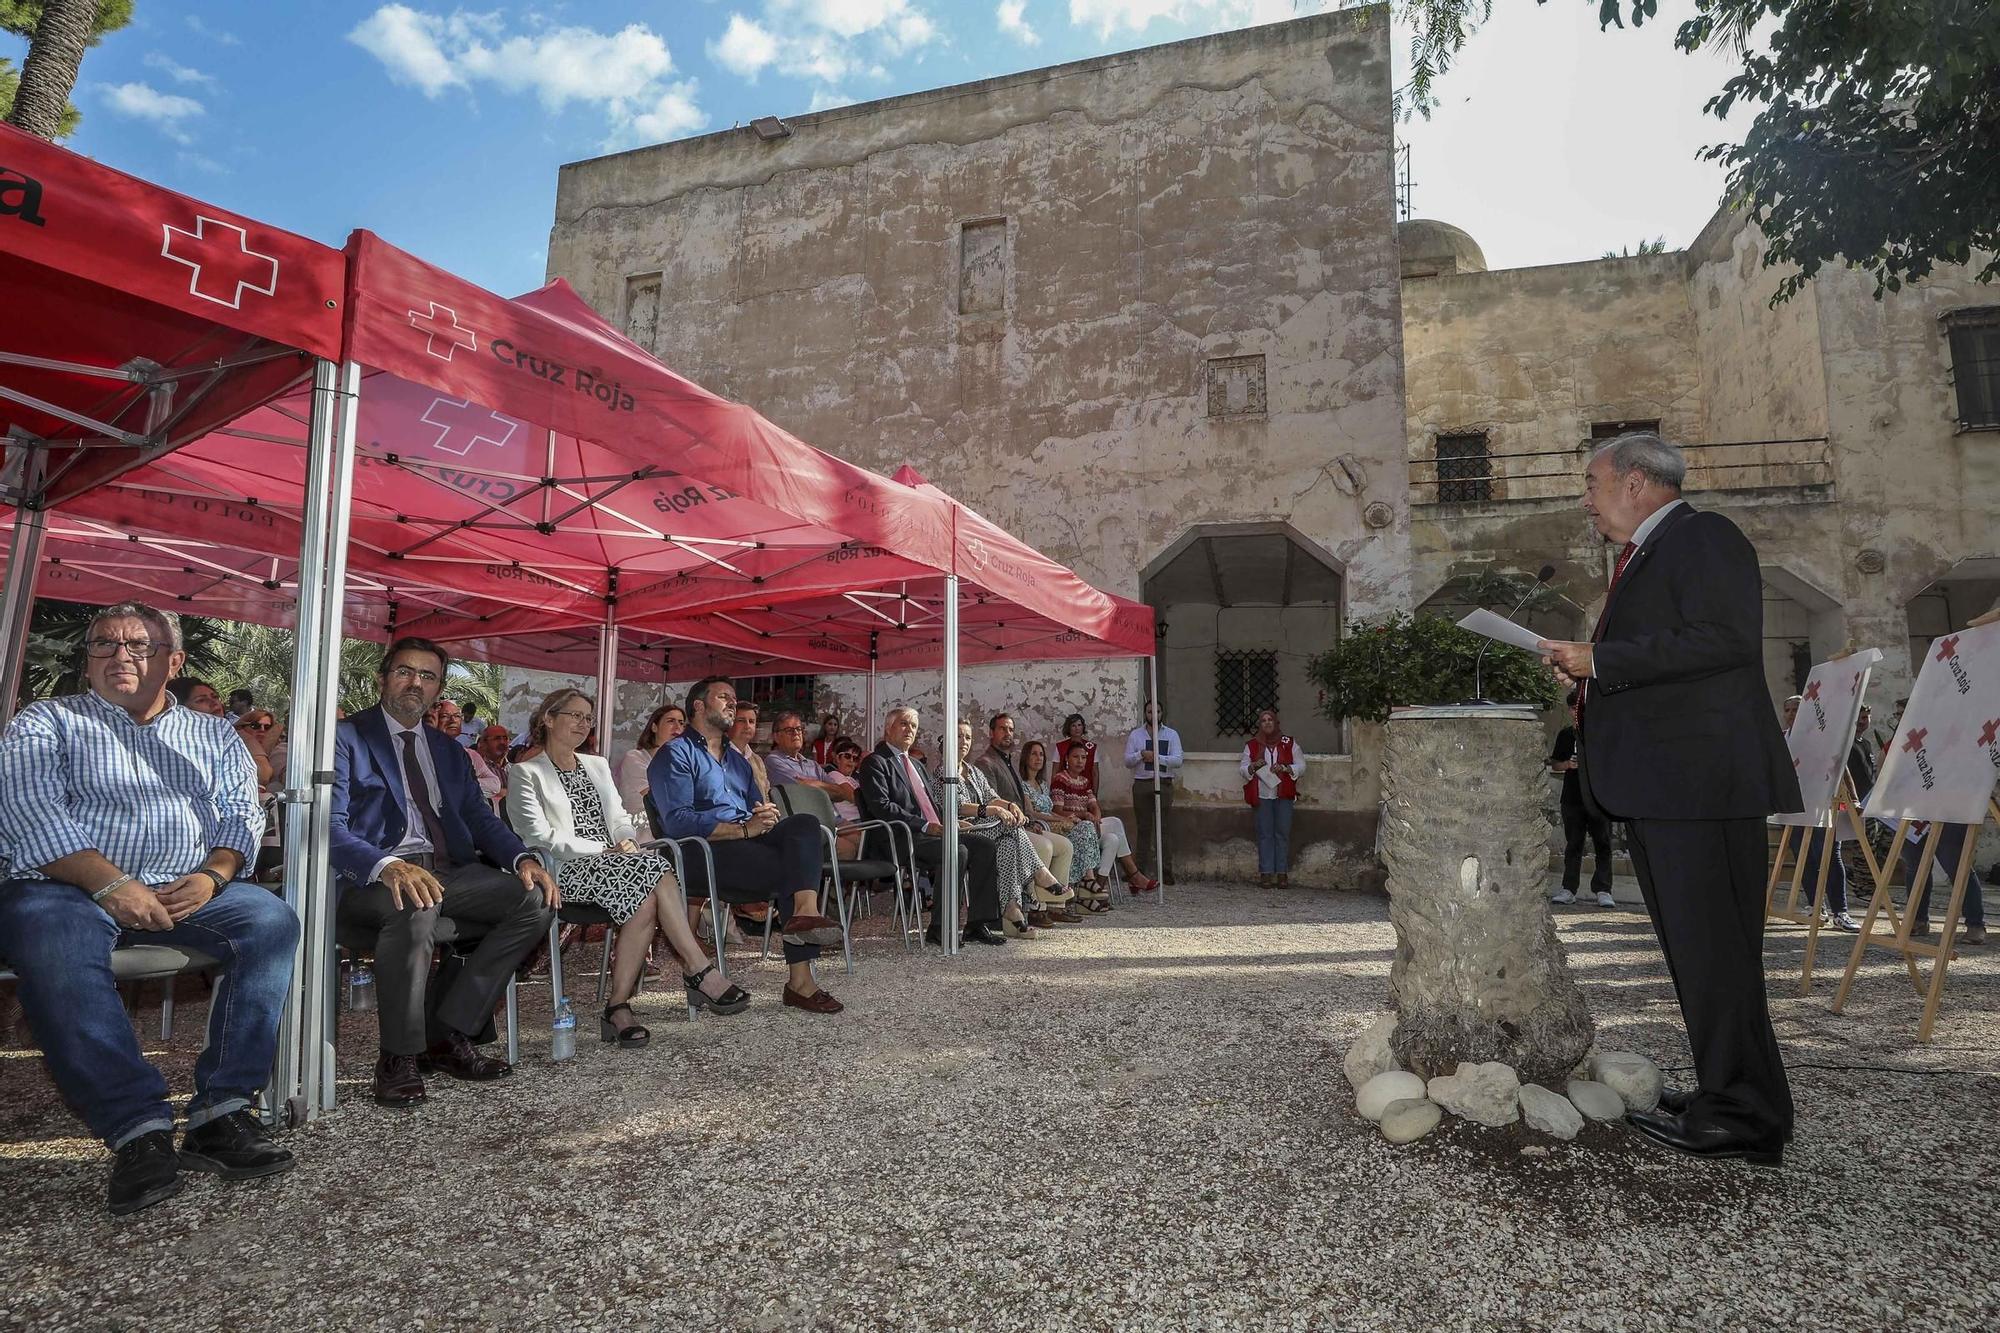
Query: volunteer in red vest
{"type": "Point", "coordinates": [1271, 764]}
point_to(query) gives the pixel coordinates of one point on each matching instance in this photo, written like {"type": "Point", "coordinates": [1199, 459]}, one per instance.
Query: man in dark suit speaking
{"type": "Point", "coordinates": [1679, 741]}
{"type": "Point", "coordinates": [409, 826]}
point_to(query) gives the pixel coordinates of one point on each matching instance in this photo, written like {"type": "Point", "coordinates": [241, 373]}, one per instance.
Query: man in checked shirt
{"type": "Point", "coordinates": [125, 818]}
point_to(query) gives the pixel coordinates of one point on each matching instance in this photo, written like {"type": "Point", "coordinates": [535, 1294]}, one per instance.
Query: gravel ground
{"type": "Point", "coordinates": [1137, 1123]}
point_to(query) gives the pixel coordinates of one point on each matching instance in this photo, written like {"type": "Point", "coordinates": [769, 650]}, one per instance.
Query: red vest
{"type": "Point", "coordinates": [1288, 787]}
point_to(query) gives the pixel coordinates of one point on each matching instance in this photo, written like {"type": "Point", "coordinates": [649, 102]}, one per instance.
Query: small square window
{"type": "Point", "coordinates": [1464, 467]}
{"type": "Point", "coordinates": [1974, 335]}
{"type": "Point", "coordinates": [1611, 430]}
{"type": "Point", "coordinates": [1236, 386]}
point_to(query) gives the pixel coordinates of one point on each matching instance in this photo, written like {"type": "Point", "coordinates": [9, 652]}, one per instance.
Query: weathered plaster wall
{"type": "Point", "coordinates": [1762, 377]}
{"type": "Point", "coordinates": [1020, 285]}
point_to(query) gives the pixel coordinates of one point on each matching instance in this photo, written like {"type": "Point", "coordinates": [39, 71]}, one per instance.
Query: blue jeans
{"type": "Point", "coordinates": [1836, 871]}
{"type": "Point", "coordinates": [1274, 836]}
{"type": "Point", "coordinates": [60, 943]}
{"type": "Point", "coordinates": [1951, 845]}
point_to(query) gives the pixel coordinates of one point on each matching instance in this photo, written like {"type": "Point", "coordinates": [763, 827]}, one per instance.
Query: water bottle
{"type": "Point", "coordinates": [361, 989]}
{"type": "Point", "coordinates": [562, 1037]}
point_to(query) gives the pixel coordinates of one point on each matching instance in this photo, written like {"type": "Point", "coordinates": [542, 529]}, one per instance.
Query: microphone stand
{"type": "Point", "coordinates": [1479, 662]}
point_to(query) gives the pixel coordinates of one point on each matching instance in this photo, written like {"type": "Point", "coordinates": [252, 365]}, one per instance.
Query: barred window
{"type": "Point", "coordinates": [1246, 683]}
{"type": "Point", "coordinates": [1975, 365]}
{"type": "Point", "coordinates": [772, 693]}
{"type": "Point", "coordinates": [1464, 467]}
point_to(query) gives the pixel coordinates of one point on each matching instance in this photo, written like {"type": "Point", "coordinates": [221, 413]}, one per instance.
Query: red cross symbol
{"type": "Point", "coordinates": [1812, 690]}
{"type": "Point", "coordinates": [1947, 648]}
{"type": "Point", "coordinates": [443, 331]}
{"type": "Point", "coordinates": [1989, 731]}
{"type": "Point", "coordinates": [224, 264]}
{"type": "Point", "coordinates": [1915, 740]}
{"type": "Point", "coordinates": [479, 426]}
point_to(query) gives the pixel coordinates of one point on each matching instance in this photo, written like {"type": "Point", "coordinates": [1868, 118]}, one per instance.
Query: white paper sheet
{"type": "Point", "coordinates": [1506, 631]}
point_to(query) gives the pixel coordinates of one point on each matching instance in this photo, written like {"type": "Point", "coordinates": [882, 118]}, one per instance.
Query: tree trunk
{"type": "Point", "coordinates": [49, 73]}
{"type": "Point", "coordinates": [1479, 973]}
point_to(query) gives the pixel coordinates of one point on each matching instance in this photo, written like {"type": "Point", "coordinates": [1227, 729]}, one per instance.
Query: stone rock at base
{"type": "Point", "coordinates": [1489, 1093]}
{"type": "Point", "coordinates": [1595, 1100]}
{"type": "Point", "coordinates": [1635, 1079]}
{"type": "Point", "coordinates": [1370, 1054]}
{"type": "Point", "coordinates": [1549, 1113]}
{"type": "Point", "coordinates": [1378, 1092]}
{"type": "Point", "coordinates": [1409, 1119]}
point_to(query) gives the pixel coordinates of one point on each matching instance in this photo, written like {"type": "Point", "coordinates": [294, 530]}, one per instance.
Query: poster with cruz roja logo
{"type": "Point", "coordinates": [1945, 759]}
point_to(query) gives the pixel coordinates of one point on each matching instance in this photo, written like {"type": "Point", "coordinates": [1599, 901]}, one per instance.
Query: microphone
{"type": "Point", "coordinates": [1542, 577]}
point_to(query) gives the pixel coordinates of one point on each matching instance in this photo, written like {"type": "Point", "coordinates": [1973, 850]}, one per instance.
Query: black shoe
{"type": "Point", "coordinates": [982, 932]}
{"type": "Point", "coordinates": [144, 1172]}
{"type": "Point", "coordinates": [1706, 1141]}
{"type": "Point", "coordinates": [732, 1001]}
{"type": "Point", "coordinates": [235, 1146]}
{"type": "Point", "coordinates": [1675, 1101]}
{"type": "Point", "coordinates": [398, 1081]}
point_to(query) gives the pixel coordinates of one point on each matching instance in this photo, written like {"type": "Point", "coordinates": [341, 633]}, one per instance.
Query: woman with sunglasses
{"type": "Point", "coordinates": [254, 729]}
{"type": "Point", "coordinates": [564, 804]}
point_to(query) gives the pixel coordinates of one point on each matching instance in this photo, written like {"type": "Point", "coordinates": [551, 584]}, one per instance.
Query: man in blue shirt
{"type": "Point", "coordinates": [703, 788]}
{"type": "Point", "coordinates": [1152, 773]}
{"type": "Point", "coordinates": [125, 819]}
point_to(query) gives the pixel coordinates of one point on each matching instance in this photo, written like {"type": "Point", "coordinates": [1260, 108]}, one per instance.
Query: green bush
{"type": "Point", "coordinates": [1400, 659]}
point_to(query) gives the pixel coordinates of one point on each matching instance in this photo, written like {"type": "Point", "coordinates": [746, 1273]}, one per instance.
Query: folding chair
{"type": "Point", "coordinates": [149, 962]}
{"type": "Point", "coordinates": [458, 936]}
{"type": "Point", "coordinates": [801, 800]}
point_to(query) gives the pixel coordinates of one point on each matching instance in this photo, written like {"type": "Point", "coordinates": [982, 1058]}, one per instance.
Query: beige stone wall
{"type": "Point", "coordinates": [1020, 286]}
{"type": "Point", "coordinates": [1762, 375]}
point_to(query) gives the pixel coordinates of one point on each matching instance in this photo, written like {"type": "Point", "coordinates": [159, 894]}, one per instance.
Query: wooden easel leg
{"type": "Point", "coordinates": [1948, 930]}
{"type": "Point", "coordinates": [1920, 884]}
{"type": "Point", "coordinates": [1817, 910]}
{"type": "Point", "coordinates": [1777, 871]}
{"type": "Point", "coordinates": [1878, 903]}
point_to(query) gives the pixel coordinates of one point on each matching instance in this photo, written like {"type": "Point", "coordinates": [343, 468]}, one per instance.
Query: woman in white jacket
{"type": "Point", "coordinates": [563, 804]}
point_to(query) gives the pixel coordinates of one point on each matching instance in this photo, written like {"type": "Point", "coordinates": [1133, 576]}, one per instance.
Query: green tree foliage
{"type": "Point", "coordinates": [54, 659]}
{"type": "Point", "coordinates": [21, 17]}
{"type": "Point", "coordinates": [1399, 659]}
{"type": "Point", "coordinates": [1656, 246]}
{"type": "Point", "coordinates": [1877, 131]}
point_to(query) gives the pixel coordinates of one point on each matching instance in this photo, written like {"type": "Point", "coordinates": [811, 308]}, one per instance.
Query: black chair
{"type": "Point", "coordinates": [458, 937]}
{"type": "Point", "coordinates": [801, 800]}
{"type": "Point", "coordinates": [673, 849]}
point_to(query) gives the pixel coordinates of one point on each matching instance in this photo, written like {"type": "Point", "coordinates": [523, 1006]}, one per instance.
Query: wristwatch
{"type": "Point", "coordinates": [221, 880]}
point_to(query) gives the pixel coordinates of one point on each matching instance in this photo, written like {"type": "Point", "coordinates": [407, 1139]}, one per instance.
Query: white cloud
{"type": "Point", "coordinates": [167, 112]}
{"type": "Point", "coordinates": [1014, 23]}
{"type": "Point", "coordinates": [625, 73]}
{"type": "Point", "coordinates": [825, 99]}
{"type": "Point", "coordinates": [745, 48]}
{"type": "Point", "coordinates": [196, 162]}
{"type": "Point", "coordinates": [176, 71]}
{"type": "Point", "coordinates": [1108, 17]}
{"type": "Point", "coordinates": [216, 35]}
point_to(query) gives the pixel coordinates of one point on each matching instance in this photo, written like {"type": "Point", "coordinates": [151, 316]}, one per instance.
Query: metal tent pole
{"type": "Point", "coordinates": [947, 889]}
{"type": "Point", "coordinates": [874, 727]}
{"type": "Point", "coordinates": [306, 1049]}
{"type": "Point", "coordinates": [24, 557]}
{"type": "Point", "coordinates": [1159, 824]}
{"type": "Point", "coordinates": [607, 672]}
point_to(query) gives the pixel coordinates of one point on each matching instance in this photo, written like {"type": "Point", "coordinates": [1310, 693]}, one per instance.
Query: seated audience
{"type": "Point", "coordinates": [743, 736]}
{"type": "Point", "coordinates": [196, 694]}
{"type": "Point", "coordinates": [564, 805]}
{"type": "Point", "coordinates": [1073, 795]}
{"type": "Point", "coordinates": [896, 786]}
{"type": "Point", "coordinates": [1017, 868]}
{"type": "Point", "coordinates": [253, 728]}
{"type": "Point", "coordinates": [240, 702]}
{"type": "Point", "coordinates": [703, 787]}
{"type": "Point", "coordinates": [788, 762]}
{"type": "Point", "coordinates": [1075, 736]}
{"type": "Point", "coordinates": [668, 721]}
{"type": "Point", "coordinates": [126, 819]}
{"type": "Point", "coordinates": [822, 746]}
{"type": "Point", "coordinates": [998, 766]}
{"type": "Point", "coordinates": [492, 752]}
{"type": "Point", "coordinates": [409, 825]}
{"type": "Point", "coordinates": [846, 765]}
{"type": "Point", "coordinates": [1081, 834]}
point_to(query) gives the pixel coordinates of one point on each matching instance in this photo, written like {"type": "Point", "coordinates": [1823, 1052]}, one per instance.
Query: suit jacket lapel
{"type": "Point", "coordinates": [1642, 560]}
{"type": "Point", "coordinates": [372, 725]}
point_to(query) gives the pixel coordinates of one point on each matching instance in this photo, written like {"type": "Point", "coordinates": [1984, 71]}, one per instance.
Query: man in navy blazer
{"type": "Point", "coordinates": [1677, 737]}
{"type": "Point", "coordinates": [409, 826]}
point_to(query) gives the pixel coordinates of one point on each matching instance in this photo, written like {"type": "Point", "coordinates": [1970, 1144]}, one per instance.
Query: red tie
{"type": "Point", "coordinates": [1624, 558]}
{"type": "Point", "coordinates": [1617, 572]}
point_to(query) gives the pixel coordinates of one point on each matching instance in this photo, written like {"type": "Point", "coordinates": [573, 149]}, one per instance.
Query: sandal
{"type": "Point", "coordinates": [732, 1001]}
{"type": "Point", "coordinates": [632, 1035]}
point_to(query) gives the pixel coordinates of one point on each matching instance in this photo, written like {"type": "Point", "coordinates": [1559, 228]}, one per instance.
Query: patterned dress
{"type": "Point", "coordinates": [1082, 835]}
{"type": "Point", "coordinates": [616, 881]}
{"type": "Point", "coordinates": [1014, 854]}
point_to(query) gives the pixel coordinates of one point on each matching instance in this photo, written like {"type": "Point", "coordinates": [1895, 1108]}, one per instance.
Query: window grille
{"type": "Point", "coordinates": [1246, 683]}
{"type": "Point", "coordinates": [772, 694]}
{"type": "Point", "coordinates": [1975, 365]}
{"type": "Point", "coordinates": [1464, 467]}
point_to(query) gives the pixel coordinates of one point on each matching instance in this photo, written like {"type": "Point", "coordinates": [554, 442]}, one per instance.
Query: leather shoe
{"type": "Point", "coordinates": [1699, 1140]}
{"type": "Point", "coordinates": [455, 1055]}
{"type": "Point", "coordinates": [1675, 1101]}
{"type": "Point", "coordinates": [819, 1002]}
{"type": "Point", "coordinates": [398, 1081]}
{"type": "Point", "coordinates": [1041, 920]}
{"type": "Point", "coordinates": [144, 1172]}
{"type": "Point", "coordinates": [981, 932]}
{"type": "Point", "coordinates": [235, 1146]}
{"type": "Point", "coordinates": [803, 929]}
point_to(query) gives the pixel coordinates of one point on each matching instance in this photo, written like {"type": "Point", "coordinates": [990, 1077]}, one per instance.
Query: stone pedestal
{"type": "Point", "coordinates": [1479, 973]}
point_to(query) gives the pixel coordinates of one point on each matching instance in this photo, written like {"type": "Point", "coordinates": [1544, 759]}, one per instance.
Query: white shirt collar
{"type": "Point", "coordinates": [1645, 530]}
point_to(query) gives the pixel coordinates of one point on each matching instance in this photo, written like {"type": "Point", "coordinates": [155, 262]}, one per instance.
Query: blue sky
{"type": "Point", "coordinates": [441, 127]}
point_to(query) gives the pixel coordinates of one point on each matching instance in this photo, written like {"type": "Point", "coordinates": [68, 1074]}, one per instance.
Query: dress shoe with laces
{"type": "Point", "coordinates": [1675, 1101]}
{"type": "Point", "coordinates": [982, 932]}
{"type": "Point", "coordinates": [1715, 1142]}
{"type": "Point", "coordinates": [144, 1172]}
{"type": "Point", "coordinates": [235, 1146]}
{"type": "Point", "coordinates": [398, 1081]}
{"type": "Point", "coordinates": [457, 1056]}
{"type": "Point", "coordinates": [819, 1002]}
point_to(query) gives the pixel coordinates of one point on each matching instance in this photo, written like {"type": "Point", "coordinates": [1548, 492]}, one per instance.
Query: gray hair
{"type": "Point", "coordinates": [1647, 454]}
{"type": "Point", "coordinates": [890, 716]}
{"type": "Point", "coordinates": [164, 623]}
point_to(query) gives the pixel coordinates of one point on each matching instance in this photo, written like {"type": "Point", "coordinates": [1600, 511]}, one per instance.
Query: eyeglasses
{"type": "Point", "coordinates": [782, 730]}
{"type": "Point", "coordinates": [140, 649]}
{"type": "Point", "coordinates": [412, 673]}
{"type": "Point", "coordinates": [574, 716]}
{"type": "Point", "coordinates": [254, 726]}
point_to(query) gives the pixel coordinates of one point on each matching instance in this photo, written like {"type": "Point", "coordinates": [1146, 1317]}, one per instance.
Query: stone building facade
{"type": "Point", "coordinates": [1141, 310]}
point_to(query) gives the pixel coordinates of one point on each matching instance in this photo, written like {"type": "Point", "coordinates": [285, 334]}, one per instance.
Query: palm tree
{"type": "Point", "coordinates": [58, 33]}
{"type": "Point", "coordinates": [54, 657]}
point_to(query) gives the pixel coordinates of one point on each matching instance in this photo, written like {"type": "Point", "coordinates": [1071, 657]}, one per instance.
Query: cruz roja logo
{"type": "Point", "coordinates": [222, 265]}
{"type": "Point", "coordinates": [1947, 653]}
{"type": "Point", "coordinates": [609, 392]}
{"type": "Point", "coordinates": [21, 198]}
